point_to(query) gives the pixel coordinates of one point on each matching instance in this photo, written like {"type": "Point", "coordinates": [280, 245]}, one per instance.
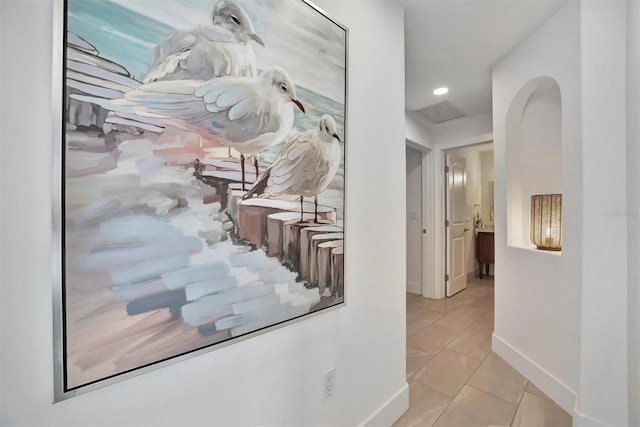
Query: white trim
{"type": "Point", "coordinates": [429, 206]}
{"type": "Point", "coordinates": [558, 391]}
{"type": "Point", "coordinates": [414, 288]}
{"type": "Point", "coordinates": [391, 410]}
{"type": "Point", "coordinates": [417, 146]}
{"type": "Point", "coordinates": [428, 222]}
{"type": "Point", "coordinates": [467, 142]}
{"type": "Point", "coordinates": [580, 419]}
{"type": "Point", "coordinates": [57, 49]}
{"type": "Point", "coordinates": [438, 226]}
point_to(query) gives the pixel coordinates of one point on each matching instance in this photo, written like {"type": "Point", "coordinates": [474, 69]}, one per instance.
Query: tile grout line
{"type": "Point", "coordinates": [519, 403]}
{"type": "Point", "coordinates": [437, 353]}
{"type": "Point", "coordinates": [412, 377]}
{"type": "Point", "coordinates": [446, 344]}
{"type": "Point", "coordinates": [466, 355]}
{"type": "Point", "coordinates": [454, 398]}
{"type": "Point", "coordinates": [491, 394]}
{"type": "Point", "coordinates": [498, 397]}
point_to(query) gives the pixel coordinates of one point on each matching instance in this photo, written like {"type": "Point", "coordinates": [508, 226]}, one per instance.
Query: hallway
{"type": "Point", "coordinates": [454, 377]}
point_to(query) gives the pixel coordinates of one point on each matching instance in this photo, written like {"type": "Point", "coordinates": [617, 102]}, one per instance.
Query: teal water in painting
{"type": "Point", "coordinates": [119, 34]}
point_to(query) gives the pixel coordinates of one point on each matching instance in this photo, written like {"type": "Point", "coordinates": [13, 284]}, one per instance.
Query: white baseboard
{"type": "Point", "coordinates": [390, 411]}
{"type": "Point", "coordinates": [414, 288]}
{"type": "Point", "coordinates": [550, 385]}
{"type": "Point", "coordinates": [582, 420]}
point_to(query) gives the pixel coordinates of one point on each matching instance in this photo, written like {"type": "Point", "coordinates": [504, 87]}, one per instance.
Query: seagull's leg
{"type": "Point", "coordinates": [301, 209]}
{"type": "Point", "coordinates": [242, 169]}
{"type": "Point", "coordinates": [256, 164]}
{"type": "Point", "coordinates": [229, 152]}
{"type": "Point", "coordinates": [315, 201]}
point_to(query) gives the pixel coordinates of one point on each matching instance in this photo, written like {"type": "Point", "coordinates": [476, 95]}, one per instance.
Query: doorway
{"type": "Point", "coordinates": [468, 211]}
{"type": "Point", "coordinates": [420, 209]}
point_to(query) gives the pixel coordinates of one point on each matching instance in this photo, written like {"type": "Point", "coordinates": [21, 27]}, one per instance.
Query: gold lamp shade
{"type": "Point", "coordinates": [546, 221]}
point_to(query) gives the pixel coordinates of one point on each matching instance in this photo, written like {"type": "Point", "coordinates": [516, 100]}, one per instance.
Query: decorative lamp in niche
{"type": "Point", "coordinates": [546, 221]}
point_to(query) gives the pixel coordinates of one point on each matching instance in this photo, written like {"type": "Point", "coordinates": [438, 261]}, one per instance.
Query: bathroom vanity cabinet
{"type": "Point", "coordinates": [484, 249]}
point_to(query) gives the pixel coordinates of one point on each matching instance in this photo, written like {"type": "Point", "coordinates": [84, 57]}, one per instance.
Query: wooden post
{"type": "Point", "coordinates": [291, 241]}
{"type": "Point", "coordinates": [305, 245]}
{"type": "Point", "coordinates": [314, 273]}
{"type": "Point", "coordinates": [337, 271]}
{"type": "Point", "coordinates": [252, 222]}
{"type": "Point", "coordinates": [324, 263]}
{"type": "Point", "coordinates": [234, 197]}
{"type": "Point", "coordinates": [275, 230]}
{"type": "Point", "coordinates": [252, 216]}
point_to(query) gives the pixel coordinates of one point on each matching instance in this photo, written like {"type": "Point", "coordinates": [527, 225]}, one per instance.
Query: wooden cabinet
{"type": "Point", "coordinates": [484, 250]}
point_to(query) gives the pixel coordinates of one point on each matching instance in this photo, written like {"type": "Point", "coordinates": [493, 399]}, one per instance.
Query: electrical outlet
{"type": "Point", "coordinates": [329, 382]}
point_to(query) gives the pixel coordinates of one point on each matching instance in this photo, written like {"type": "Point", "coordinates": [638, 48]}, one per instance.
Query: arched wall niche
{"type": "Point", "coordinates": [533, 153]}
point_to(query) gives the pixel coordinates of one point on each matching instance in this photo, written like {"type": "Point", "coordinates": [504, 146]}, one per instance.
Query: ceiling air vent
{"type": "Point", "coordinates": [441, 112]}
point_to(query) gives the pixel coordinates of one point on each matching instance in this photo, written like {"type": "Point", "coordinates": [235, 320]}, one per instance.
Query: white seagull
{"type": "Point", "coordinates": [221, 49]}
{"type": "Point", "coordinates": [250, 114]}
{"type": "Point", "coordinates": [304, 167]}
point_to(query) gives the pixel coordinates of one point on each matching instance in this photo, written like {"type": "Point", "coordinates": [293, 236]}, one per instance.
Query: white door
{"type": "Point", "coordinates": [414, 221]}
{"type": "Point", "coordinates": [456, 194]}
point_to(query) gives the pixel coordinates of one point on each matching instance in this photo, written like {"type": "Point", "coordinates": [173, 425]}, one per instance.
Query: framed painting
{"type": "Point", "coordinates": [199, 178]}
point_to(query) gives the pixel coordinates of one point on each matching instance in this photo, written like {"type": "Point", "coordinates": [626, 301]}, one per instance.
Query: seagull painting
{"type": "Point", "coordinates": [250, 114]}
{"type": "Point", "coordinates": [153, 94]}
{"type": "Point", "coordinates": [304, 167]}
{"type": "Point", "coordinates": [224, 48]}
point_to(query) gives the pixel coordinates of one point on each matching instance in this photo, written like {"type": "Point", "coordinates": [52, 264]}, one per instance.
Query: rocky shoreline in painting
{"type": "Point", "coordinates": [162, 256]}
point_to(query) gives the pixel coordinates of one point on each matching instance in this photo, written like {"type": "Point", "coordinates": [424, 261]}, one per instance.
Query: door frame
{"type": "Point", "coordinates": [438, 290]}
{"type": "Point", "coordinates": [427, 215]}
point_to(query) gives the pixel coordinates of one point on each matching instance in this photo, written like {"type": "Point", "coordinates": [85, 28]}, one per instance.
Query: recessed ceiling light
{"type": "Point", "coordinates": [441, 91]}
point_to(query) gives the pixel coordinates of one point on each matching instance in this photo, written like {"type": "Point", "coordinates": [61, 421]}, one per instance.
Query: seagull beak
{"type": "Point", "coordinates": [257, 39]}
{"type": "Point", "coordinates": [299, 104]}
{"type": "Point", "coordinates": [335, 135]}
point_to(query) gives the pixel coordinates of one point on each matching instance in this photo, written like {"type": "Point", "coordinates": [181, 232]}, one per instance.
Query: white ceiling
{"type": "Point", "coordinates": [455, 43]}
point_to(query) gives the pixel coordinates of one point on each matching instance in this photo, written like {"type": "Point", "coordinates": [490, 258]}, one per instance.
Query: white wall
{"type": "Point", "coordinates": [603, 389]}
{"type": "Point", "coordinates": [633, 205]}
{"type": "Point", "coordinates": [537, 314]}
{"type": "Point", "coordinates": [418, 130]}
{"type": "Point", "coordinates": [574, 348]}
{"type": "Point", "coordinates": [541, 134]}
{"type": "Point", "coordinates": [274, 378]}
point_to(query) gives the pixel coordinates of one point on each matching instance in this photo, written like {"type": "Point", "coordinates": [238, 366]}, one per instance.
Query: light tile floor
{"type": "Point", "coordinates": [454, 377]}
